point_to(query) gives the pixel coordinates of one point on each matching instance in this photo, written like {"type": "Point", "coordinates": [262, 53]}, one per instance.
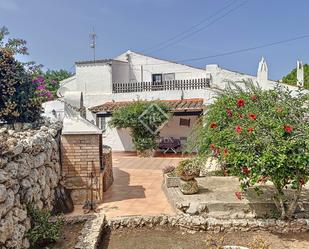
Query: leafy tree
{"type": "Point", "coordinates": [260, 136]}
{"type": "Point", "coordinates": [143, 118]}
{"type": "Point", "coordinates": [14, 45]}
{"type": "Point", "coordinates": [18, 99]}
{"type": "Point", "coordinates": [291, 78]}
{"type": "Point", "coordinates": [47, 82]}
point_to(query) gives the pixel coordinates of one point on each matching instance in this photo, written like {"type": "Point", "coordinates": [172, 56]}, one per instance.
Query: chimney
{"type": "Point", "coordinates": [300, 73]}
{"type": "Point", "coordinates": [82, 108]}
{"type": "Point", "coordinates": [262, 73]}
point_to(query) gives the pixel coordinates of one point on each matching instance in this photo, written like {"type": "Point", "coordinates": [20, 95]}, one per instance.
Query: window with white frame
{"type": "Point", "coordinates": [101, 123]}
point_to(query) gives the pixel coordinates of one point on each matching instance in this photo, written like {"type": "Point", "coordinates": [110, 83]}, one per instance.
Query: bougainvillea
{"type": "Point", "coordinates": [49, 82]}
{"type": "Point", "coordinates": [18, 95]}
{"type": "Point", "coordinates": [259, 136]}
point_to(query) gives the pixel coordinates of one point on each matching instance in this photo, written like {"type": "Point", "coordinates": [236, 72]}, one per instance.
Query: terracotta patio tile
{"type": "Point", "coordinates": [137, 187]}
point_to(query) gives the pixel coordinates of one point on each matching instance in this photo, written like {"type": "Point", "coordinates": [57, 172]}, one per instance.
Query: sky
{"type": "Point", "coordinates": [57, 31]}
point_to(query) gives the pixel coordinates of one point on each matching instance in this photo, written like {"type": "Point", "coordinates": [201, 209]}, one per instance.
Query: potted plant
{"type": "Point", "coordinates": [187, 170]}
{"type": "Point", "coordinates": [170, 177]}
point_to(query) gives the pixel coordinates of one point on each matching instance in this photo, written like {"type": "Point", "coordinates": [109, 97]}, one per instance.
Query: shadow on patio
{"type": "Point", "coordinates": [121, 189]}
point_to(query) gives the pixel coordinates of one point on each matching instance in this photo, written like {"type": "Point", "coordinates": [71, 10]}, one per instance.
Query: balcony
{"type": "Point", "coordinates": [190, 84]}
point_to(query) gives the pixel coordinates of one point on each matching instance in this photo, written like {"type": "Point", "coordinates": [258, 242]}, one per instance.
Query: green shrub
{"type": "Point", "coordinates": [18, 99]}
{"type": "Point", "coordinates": [260, 135]}
{"type": "Point", "coordinates": [144, 119]}
{"type": "Point", "coordinates": [43, 230]}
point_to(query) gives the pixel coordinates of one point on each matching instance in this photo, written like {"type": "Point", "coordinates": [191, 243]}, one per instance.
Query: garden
{"type": "Point", "coordinates": [252, 140]}
{"type": "Point", "coordinates": [261, 138]}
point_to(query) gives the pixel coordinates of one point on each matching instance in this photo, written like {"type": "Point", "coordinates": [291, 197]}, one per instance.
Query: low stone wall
{"type": "Point", "coordinates": [199, 223]}
{"type": "Point", "coordinates": [29, 172]}
{"type": "Point", "coordinates": [95, 226]}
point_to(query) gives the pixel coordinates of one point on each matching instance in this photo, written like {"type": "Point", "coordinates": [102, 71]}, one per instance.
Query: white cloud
{"type": "Point", "coordinates": [9, 5]}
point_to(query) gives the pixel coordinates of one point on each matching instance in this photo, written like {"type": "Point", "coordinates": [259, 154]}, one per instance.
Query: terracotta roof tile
{"type": "Point", "coordinates": [194, 104]}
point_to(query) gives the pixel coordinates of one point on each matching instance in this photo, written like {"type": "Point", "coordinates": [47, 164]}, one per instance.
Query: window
{"type": "Point", "coordinates": [101, 123]}
{"type": "Point", "coordinates": [159, 78]}
{"type": "Point", "coordinates": [156, 78]}
{"type": "Point", "coordinates": [184, 122]}
{"type": "Point", "coordinates": [168, 76]}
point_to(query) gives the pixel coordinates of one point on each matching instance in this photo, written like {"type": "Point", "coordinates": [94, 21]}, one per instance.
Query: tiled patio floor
{"type": "Point", "coordinates": [137, 187]}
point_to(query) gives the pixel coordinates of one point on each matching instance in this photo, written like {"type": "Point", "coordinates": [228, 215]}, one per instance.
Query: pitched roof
{"type": "Point", "coordinates": [194, 104]}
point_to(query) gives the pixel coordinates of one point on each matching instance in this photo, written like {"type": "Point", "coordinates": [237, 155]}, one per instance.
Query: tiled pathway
{"type": "Point", "coordinates": [137, 187]}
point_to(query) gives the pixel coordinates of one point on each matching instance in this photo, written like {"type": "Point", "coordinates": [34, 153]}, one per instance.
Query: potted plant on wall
{"type": "Point", "coordinates": [170, 177]}
{"type": "Point", "coordinates": [187, 170]}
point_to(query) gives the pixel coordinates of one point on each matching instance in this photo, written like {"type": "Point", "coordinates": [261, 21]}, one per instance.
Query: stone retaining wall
{"type": "Point", "coordinates": [29, 172]}
{"type": "Point", "coordinates": [95, 226]}
{"type": "Point", "coordinates": [199, 223]}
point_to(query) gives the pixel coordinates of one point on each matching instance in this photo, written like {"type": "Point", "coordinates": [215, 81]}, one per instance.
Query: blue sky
{"type": "Point", "coordinates": [57, 31]}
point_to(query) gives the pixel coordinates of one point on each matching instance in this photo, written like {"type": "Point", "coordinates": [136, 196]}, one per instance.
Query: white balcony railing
{"type": "Point", "coordinates": [162, 86]}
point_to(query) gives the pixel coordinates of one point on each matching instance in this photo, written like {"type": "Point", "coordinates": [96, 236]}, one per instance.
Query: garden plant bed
{"type": "Point", "coordinates": [68, 238]}
{"type": "Point", "coordinates": [163, 237]}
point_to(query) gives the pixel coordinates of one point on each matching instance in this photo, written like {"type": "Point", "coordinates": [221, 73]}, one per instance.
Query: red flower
{"type": "Point", "coordinates": [238, 195]}
{"type": "Point", "coordinates": [245, 170]}
{"type": "Point", "coordinates": [225, 152]}
{"type": "Point", "coordinates": [229, 113]}
{"type": "Point", "coordinates": [213, 125]}
{"type": "Point", "coordinates": [288, 128]}
{"type": "Point", "coordinates": [238, 129]}
{"type": "Point", "coordinates": [253, 97]}
{"type": "Point", "coordinates": [240, 102]}
{"type": "Point", "coordinates": [240, 116]}
{"type": "Point", "coordinates": [212, 147]}
{"type": "Point", "coordinates": [252, 116]}
{"type": "Point", "coordinates": [302, 182]}
{"type": "Point", "coordinates": [250, 129]}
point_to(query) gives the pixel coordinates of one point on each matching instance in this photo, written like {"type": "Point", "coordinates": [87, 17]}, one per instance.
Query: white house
{"type": "Point", "coordinates": [110, 83]}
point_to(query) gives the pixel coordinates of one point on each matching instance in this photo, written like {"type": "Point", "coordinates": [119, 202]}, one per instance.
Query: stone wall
{"type": "Point", "coordinates": [81, 157]}
{"type": "Point", "coordinates": [29, 172]}
{"type": "Point", "coordinates": [200, 223]}
{"type": "Point", "coordinates": [108, 177]}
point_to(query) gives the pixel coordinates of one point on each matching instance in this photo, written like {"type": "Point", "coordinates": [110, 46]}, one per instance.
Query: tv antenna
{"type": "Point", "coordinates": [93, 37]}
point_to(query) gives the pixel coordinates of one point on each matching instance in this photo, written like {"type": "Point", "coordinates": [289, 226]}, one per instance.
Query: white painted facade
{"type": "Point", "coordinates": [95, 81]}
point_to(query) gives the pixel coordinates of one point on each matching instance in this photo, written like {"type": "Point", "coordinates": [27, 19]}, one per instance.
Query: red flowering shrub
{"type": "Point", "coordinates": [275, 146]}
